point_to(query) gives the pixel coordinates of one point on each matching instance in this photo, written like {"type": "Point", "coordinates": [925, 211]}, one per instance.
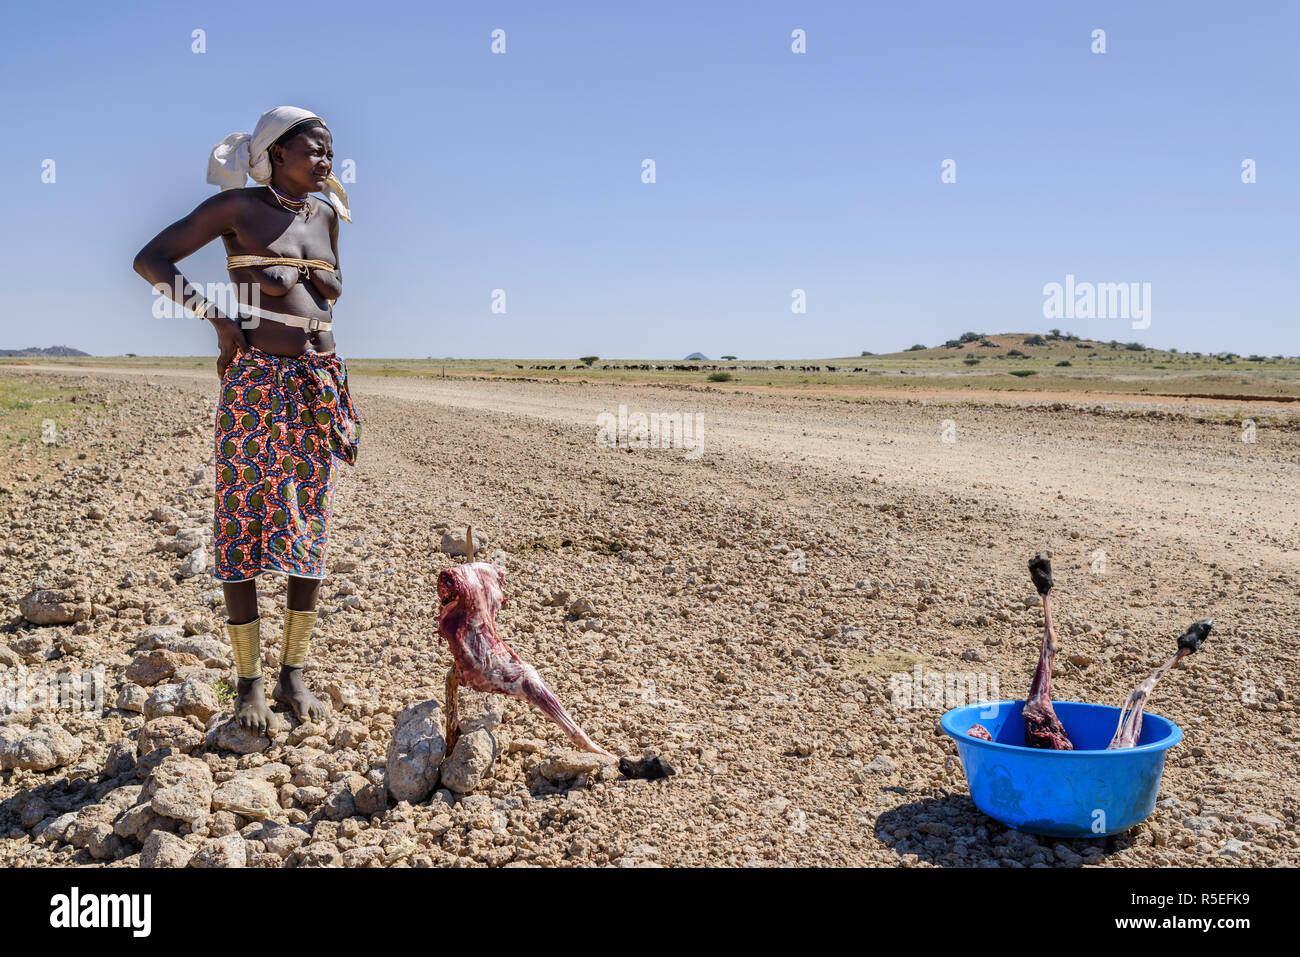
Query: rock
{"type": "Point", "coordinates": [131, 697]}
{"type": "Point", "coordinates": [1234, 848]}
{"type": "Point", "coordinates": [190, 698]}
{"type": "Point", "coordinates": [140, 821]}
{"type": "Point", "coordinates": [453, 542]}
{"type": "Point", "coordinates": [43, 748]}
{"type": "Point", "coordinates": [158, 665]}
{"type": "Point", "coordinates": [162, 849]}
{"type": "Point", "coordinates": [415, 753]}
{"type": "Point", "coordinates": [881, 764]}
{"type": "Point", "coordinates": [167, 515]}
{"type": "Point", "coordinates": [229, 736]}
{"type": "Point", "coordinates": [340, 800]}
{"type": "Point", "coordinates": [228, 851]}
{"type": "Point", "coordinates": [91, 822]}
{"type": "Point", "coordinates": [55, 606]}
{"type": "Point", "coordinates": [282, 840]}
{"type": "Point", "coordinates": [370, 856]}
{"type": "Point", "coordinates": [185, 541]}
{"type": "Point", "coordinates": [469, 761]}
{"type": "Point", "coordinates": [309, 796]}
{"type": "Point", "coordinates": [57, 830]}
{"type": "Point", "coordinates": [569, 764]}
{"type": "Point", "coordinates": [1261, 819]}
{"type": "Point", "coordinates": [121, 757]}
{"type": "Point", "coordinates": [196, 563]}
{"type": "Point", "coordinates": [33, 649]}
{"type": "Point", "coordinates": [173, 732]}
{"type": "Point", "coordinates": [180, 787]}
{"type": "Point", "coordinates": [371, 800]}
{"type": "Point", "coordinates": [247, 794]}
{"type": "Point", "coordinates": [581, 608]}
{"type": "Point", "coordinates": [318, 854]}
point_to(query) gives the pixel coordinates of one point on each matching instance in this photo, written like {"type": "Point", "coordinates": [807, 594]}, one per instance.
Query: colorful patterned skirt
{"type": "Point", "coordinates": [282, 421]}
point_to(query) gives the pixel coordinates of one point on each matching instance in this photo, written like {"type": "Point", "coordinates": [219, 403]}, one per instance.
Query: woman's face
{"type": "Point", "coordinates": [302, 164]}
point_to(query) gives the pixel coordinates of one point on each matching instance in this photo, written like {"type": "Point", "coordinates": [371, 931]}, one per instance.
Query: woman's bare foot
{"type": "Point", "coordinates": [251, 711]}
{"type": "Point", "coordinates": [291, 690]}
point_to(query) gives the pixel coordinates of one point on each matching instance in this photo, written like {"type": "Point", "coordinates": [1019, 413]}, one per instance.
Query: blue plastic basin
{"type": "Point", "coordinates": [1088, 792]}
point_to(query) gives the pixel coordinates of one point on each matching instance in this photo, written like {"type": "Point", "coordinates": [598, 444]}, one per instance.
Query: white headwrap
{"type": "Point", "coordinates": [240, 155]}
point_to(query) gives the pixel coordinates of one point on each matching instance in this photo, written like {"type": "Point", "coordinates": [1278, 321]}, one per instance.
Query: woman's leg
{"type": "Point", "coordinates": [299, 619]}
{"type": "Point", "coordinates": [251, 710]}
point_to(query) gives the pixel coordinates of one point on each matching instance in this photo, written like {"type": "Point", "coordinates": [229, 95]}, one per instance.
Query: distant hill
{"type": "Point", "coordinates": [696, 355]}
{"type": "Point", "coordinates": [49, 351]}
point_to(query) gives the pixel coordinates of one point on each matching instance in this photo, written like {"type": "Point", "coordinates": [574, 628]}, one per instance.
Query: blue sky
{"type": "Point", "coordinates": [775, 171]}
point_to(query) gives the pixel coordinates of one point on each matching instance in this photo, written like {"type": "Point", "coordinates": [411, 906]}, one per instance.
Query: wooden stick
{"type": "Point", "coordinates": [469, 543]}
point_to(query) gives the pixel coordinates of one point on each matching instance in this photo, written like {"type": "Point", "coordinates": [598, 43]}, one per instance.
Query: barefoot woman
{"type": "Point", "coordinates": [285, 413]}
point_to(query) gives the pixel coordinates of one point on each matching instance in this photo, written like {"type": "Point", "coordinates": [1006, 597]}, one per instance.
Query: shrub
{"type": "Point", "coordinates": [1021, 373]}
{"type": "Point", "coordinates": [1016, 353]}
{"type": "Point", "coordinates": [719, 376]}
{"type": "Point", "coordinates": [1034, 341]}
{"type": "Point", "coordinates": [971, 361]}
{"type": "Point", "coordinates": [729, 358]}
{"type": "Point", "coordinates": [588, 359]}
{"type": "Point", "coordinates": [916, 348]}
{"type": "Point", "coordinates": [1135, 347]}
{"type": "Point", "coordinates": [1064, 362]}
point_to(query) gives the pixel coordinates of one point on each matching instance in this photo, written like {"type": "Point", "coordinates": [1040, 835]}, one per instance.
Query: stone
{"type": "Point", "coordinates": [247, 794]}
{"type": "Point", "coordinates": [415, 752]}
{"type": "Point", "coordinates": [44, 747]}
{"type": "Point", "coordinates": [453, 542]}
{"type": "Point", "coordinates": [131, 697]}
{"type": "Point", "coordinates": [162, 849]}
{"type": "Point", "coordinates": [140, 821]}
{"type": "Point", "coordinates": [158, 665]}
{"type": "Point", "coordinates": [173, 732]}
{"type": "Point", "coordinates": [180, 787]}
{"type": "Point", "coordinates": [569, 764]}
{"type": "Point", "coordinates": [229, 736]}
{"type": "Point", "coordinates": [55, 606]}
{"type": "Point", "coordinates": [189, 698]}
{"type": "Point", "coordinates": [196, 563]}
{"type": "Point", "coordinates": [469, 761]}
{"type": "Point", "coordinates": [228, 851]}
{"type": "Point", "coordinates": [881, 764]}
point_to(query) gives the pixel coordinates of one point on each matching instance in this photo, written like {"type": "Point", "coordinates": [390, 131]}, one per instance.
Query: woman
{"type": "Point", "coordinates": [285, 413]}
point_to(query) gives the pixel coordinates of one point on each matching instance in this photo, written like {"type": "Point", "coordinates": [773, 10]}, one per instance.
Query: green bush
{"type": "Point", "coordinates": [1064, 362]}
{"type": "Point", "coordinates": [719, 376]}
{"type": "Point", "coordinates": [971, 361]}
{"type": "Point", "coordinates": [916, 348]}
{"type": "Point", "coordinates": [588, 359]}
{"type": "Point", "coordinates": [1021, 373]}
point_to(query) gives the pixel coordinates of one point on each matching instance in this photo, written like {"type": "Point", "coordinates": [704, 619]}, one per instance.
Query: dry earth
{"type": "Point", "coordinates": [739, 613]}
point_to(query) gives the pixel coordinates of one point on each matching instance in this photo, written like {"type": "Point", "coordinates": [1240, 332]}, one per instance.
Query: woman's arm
{"type": "Point", "coordinates": [156, 262]}
{"type": "Point", "coordinates": [334, 245]}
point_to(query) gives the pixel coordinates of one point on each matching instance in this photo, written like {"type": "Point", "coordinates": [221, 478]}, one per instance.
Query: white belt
{"type": "Point", "coordinates": [300, 322]}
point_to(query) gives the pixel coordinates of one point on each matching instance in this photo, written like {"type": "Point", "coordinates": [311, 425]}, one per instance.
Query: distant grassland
{"type": "Point", "coordinates": [1004, 361]}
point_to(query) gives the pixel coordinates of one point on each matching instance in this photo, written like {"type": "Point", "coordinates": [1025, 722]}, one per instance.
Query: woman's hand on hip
{"type": "Point", "coordinates": [230, 337]}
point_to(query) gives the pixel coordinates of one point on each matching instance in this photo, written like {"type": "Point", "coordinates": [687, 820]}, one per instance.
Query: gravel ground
{"type": "Point", "coordinates": [738, 612]}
